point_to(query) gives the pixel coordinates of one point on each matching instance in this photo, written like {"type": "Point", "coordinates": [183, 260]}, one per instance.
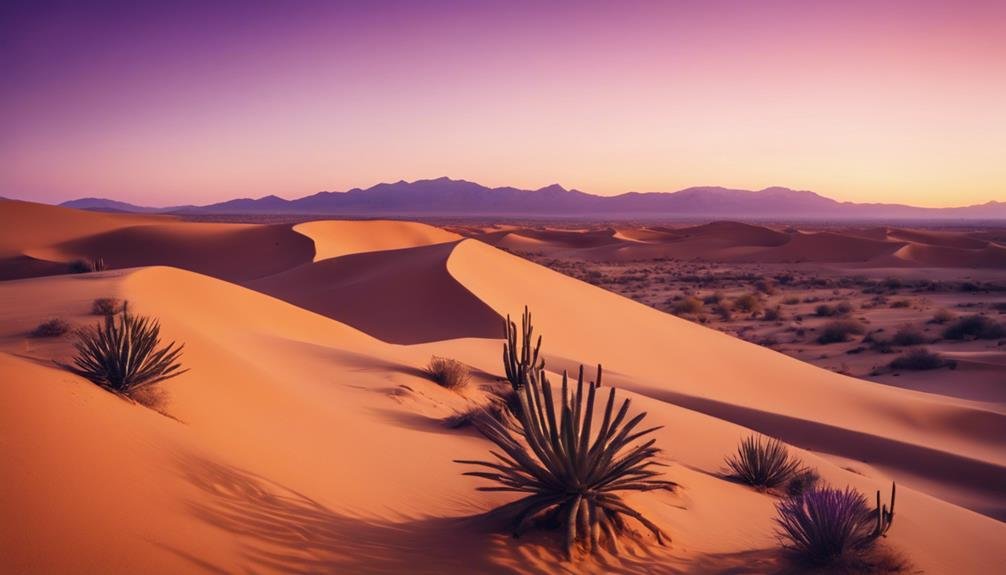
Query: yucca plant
{"type": "Point", "coordinates": [571, 474]}
{"type": "Point", "coordinates": [825, 524]}
{"type": "Point", "coordinates": [763, 462]}
{"type": "Point", "coordinates": [523, 362]}
{"type": "Point", "coordinates": [125, 353]}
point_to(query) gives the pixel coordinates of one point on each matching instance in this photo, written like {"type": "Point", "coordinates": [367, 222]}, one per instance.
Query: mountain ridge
{"type": "Point", "coordinates": [447, 197]}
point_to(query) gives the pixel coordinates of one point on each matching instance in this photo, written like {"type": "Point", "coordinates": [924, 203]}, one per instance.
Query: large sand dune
{"type": "Point", "coordinates": [305, 439]}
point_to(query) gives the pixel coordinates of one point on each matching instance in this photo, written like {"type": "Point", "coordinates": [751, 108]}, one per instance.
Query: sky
{"type": "Point", "coordinates": [166, 103]}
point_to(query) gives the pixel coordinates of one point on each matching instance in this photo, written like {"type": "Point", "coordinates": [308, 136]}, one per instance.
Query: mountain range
{"type": "Point", "coordinates": [447, 197]}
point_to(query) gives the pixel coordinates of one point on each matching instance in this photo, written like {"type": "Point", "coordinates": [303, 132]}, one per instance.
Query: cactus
{"type": "Point", "coordinates": [885, 516]}
{"type": "Point", "coordinates": [520, 366]}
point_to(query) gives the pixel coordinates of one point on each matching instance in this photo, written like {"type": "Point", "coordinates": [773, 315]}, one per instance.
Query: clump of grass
{"type": "Point", "coordinates": [713, 298]}
{"type": "Point", "coordinates": [804, 480]}
{"type": "Point", "coordinates": [763, 462]}
{"type": "Point", "coordinates": [773, 314]}
{"type": "Point", "coordinates": [748, 303]}
{"type": "Point", "coordinates": [943, 316]}
{"type": "Point", "coordinates": [907, 336]}
{"type": "Point", "coordinates": [974, 327]}
{"type": "Point", "coordinates": [125, 353]}
{"type": "Point", "coordinates": [572, 476]}
{"type": "Point", "coordinates": [901, 304]}
{"type": "Point", "coordinates": [687, 306]}
{"type": "Point", "coordinates": [448, 372]}
{"type": "Point", "coordinates": [105, 306]}
{"type": "Point", "coordinates": [919, 359]}
{"type": "Point", "coordinates": [724, 312]}
{"type": "Point", "coordinates": [839, 330]}
{"type": "Point", "coordinates": [54, 327]}
{"type": "Point", "coordinates": [841, 309]}
{"type": "Point", "coordinates": [827, 526]}
{"type": "Point", "coordinates": [83, 266]}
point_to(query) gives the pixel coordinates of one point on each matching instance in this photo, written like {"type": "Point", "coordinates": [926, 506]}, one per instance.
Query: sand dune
{"type": "Point", "coordinates": [305, 438]}
{"type": "Point", "coordinates": [338, 238]}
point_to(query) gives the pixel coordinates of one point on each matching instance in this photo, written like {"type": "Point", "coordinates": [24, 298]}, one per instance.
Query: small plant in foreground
{"type": "Point", "coordinates": [105, 306]}
{"type": "Point", "coordinates": [763, 462]}
{"type": "Point", "coordinates": [802, 482]}
{"type": "Point", "coordinates": [51, 328]}
{"type": "Point", "coordinates": [523, 363]}
{"type": "Point", "coordinates": [124, 353]}
{"type": "Point", "coordinates": [449, 373]}
{"type": "Point", "coordinates": [827, 525]}
{"type": "Point", "coordinates": [571, 475]}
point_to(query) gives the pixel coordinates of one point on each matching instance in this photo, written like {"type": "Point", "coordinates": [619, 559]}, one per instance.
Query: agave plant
{"type": "Point", "coordinates": [521, 364]}
{"type": "Point", "coordinates": [763, 462]}
{"type": "Point", "coordinates": [571, 474]}
{"type": "Point", "coordinates": [125, 353]}
{"type": "Point", "coordinates": [826, 524]}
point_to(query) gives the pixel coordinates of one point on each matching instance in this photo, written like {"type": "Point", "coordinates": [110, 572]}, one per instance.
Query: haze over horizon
{"type": "Point", "coordinates": [894, 102]}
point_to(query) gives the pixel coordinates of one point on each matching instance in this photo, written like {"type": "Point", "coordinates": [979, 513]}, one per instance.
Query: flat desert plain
{"type": "Point", "coordinates": [305, 436]}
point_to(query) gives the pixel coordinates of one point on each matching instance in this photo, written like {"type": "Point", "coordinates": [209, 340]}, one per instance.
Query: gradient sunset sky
{"type": "Point", "coordinates": [195, 102]}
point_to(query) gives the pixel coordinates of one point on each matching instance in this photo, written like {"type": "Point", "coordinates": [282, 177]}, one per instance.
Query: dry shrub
{"type": "Point", "coordinates": [105, 306]}
{"type": "Point", "coordinates": [54, 327]}
{"type": "Point", "coordinates": [839, 330]}
{"type": "Point", "coordinates": [449, 373]}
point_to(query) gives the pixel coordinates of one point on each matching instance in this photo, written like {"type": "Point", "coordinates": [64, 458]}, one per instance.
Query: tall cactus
{"type": "Point", "coordinates": [521, 363]}
{"type": "Point", "coordinates": [885, 516]}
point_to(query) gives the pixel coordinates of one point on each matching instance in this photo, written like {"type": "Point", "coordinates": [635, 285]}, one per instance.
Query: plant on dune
{"type": "Point", "coordinates": [521, 363]}
{"type": "Point", "coordinates": [571, 475]}
{"type": "Point", "coordinates": [763, 462]}
{"type": "Point", "coordinates": [124, 353]}
{"type": "Point", "coordinates": [51, 328]}
{"type": "Point", "coordinates": [449, 373]}
{"type": "Point", "coordinates": [105, 306]}
{"type": "Point", "coordinates": [83, 266]}
{"type": "Point", "coordinates": [826, 525]}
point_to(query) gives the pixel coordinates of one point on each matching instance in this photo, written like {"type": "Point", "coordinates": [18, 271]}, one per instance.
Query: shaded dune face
{"type": "Point", "coordinates": [401, 296]}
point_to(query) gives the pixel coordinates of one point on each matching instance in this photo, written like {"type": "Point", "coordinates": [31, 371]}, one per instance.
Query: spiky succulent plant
{"type": "Point", "coordinates": [124, 352]}
{"type": "Point", "coordinates": [763, 462]}
{"type": "Point", "coordinates": [571, 474]}
{"type": "Point", "coordinates": [523, 362]}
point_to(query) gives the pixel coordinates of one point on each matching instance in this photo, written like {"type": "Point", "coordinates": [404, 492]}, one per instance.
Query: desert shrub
{"type": "Point", "coordinates": [919, 359]}
{"type": "Point", "coordinates": [521, 361]}
{"type": "Point", "coordinates": [724, 312]}
{"type": "Point", "coordinates": [826, 525]}
{"type": "Point", "coordinates": [843, 308]}
{"type": "Point", "coordinates": [83, 266]}
{"type": "Point", "coordinates": [839, 330]}
{"type": "Point", "coordinates": [878, 343]}
{"type": "Point", "coordinates": [687, 306]}
{"type": "Point", "coordinates": [824, 310]}
{"type": "Point", "coordinates": [124, 353]}
{"type": "Point", "coordinates": [907, 335]}
{"type": "Point", "coordinates": [765, 287]}
{"type": "Point", "coordinates": [571, 475]}
{"type": "Point", "coordinates": [791, 301]}
{"type": "Point", "coordinates": [105, 306]}
{"type": "Point", "coordinates": [943, 316]}
{"type": "Point", "coordinates": [447, 372]}
{"type": "Point", "coordinates": [974, 327]}
{"type": "Point", "coordinates": [901, 303]}
{"type": "Point", "coordinates": [713, 298]}
{"type": "Point", "coordinates": [54, 327]}
{"type": "Point", "coordinates": [773, 314]}
{"type": "Point", "coordinates": [804, 480]}
{"type": "Point", "coordinates": [748, 303]}
{"type": "Point", "coordinates": [763, 462]}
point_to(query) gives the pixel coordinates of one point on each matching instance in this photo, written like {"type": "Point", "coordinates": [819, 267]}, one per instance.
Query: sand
{"type": "Point", "coordinates": [305, 438]}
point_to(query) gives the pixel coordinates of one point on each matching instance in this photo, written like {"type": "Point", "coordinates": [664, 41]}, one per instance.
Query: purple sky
{"type": "Point", "coordinates": [179, 102]}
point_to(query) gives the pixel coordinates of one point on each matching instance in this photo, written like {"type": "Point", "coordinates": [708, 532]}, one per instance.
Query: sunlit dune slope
{"type": "Point", "coordinates": [338, 238]}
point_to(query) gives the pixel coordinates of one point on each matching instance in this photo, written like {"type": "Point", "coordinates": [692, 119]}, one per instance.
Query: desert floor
{"type": "Point", "coordinates": [306, 438]}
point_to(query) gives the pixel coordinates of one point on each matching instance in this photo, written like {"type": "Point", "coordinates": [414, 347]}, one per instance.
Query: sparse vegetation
{"type": "Point", "coordinates": [942, 316]}
{"type": "Point", "coordinates": [571, 476]}
{"type": "Point", "coordinates": [773, 314]}
{"type": "Point", "coordinates": [449, 373]}
{"type": "Point", "coordinates": [124, 353]}
{"type": "Point", "coordinates": [54, 327]}
{"type": "Point", "coordinates": [763, 462]}
{"type": "Point", "coordinates": [918, 359]}
{"type": "Point", "coordinates": [521, 363]}
{"type": "Point", "coordinates": [838, 331]}
{"type": "Point", "coordinates": [826, 526]}
{"type": "Point", "coordinates": [687, 306]}
{"type": "Point", "coordinates": [83, 266]}
{"type": "Point", "coordinates": [974, 327]}
{"type": "Point", "coordinates": [748, 303]}
{"type": "Point", "coordinates": [907, 336]}
{"type": "Point", "coordinates": [105, 306]}
{"type": "Point", "coordinates": [804, 480]}
{"type": "Point", "coordinates": [825, 310]}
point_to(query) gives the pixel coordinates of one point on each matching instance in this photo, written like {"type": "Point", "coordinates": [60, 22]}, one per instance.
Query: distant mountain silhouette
{"type": "Point", "coordinates": [447, 197]}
